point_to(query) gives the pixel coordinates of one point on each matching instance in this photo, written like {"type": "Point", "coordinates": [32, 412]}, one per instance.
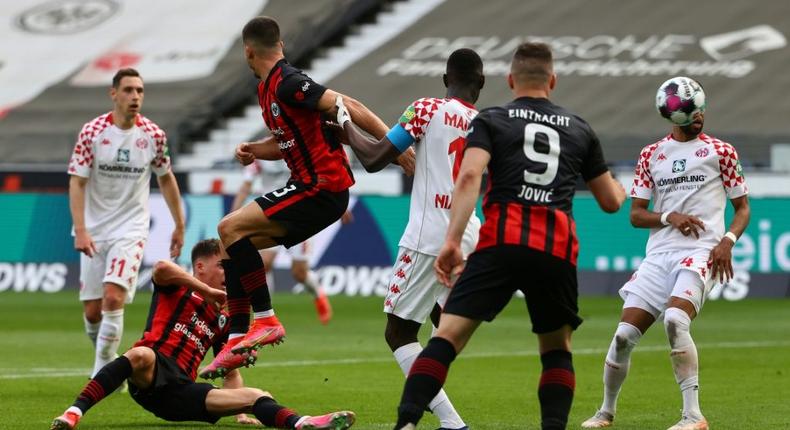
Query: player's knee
{"type": "Point", "coordinates": [626, 337]}
{"type": "Point", "coordinates": [93, 314]}
{"type": "Point", "coordinates": [401, 333]}
{"type": "Point", "coordinates": [114, 298]}
{"type": "Point", "coordinates": [299, 273]}
{"type": "Point", "coordinates": [675, 321]}
{"type": "Point", "coordinates": [225, 228]}
{"type": "Point", "coordinates": [140, 357]}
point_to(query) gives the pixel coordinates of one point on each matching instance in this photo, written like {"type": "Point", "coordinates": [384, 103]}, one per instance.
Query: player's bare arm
{"type": "Point", "coordinates": [169, 187]}
{"type": "Point", "coordinates": [241, 196]}
{"type": "Point", "coordinates": [721, 254]}
{"type": "Point", "coordinates": [608, 192]}
{"type": "Point", "coordinates": [234, 380]}
{"type": "Point", "coordinates": [374, 156]}
{"type": "Point", "coordinates": [169, 273]}
{"type": "Point", "coordinates": [264, 149]}
{"type": "Point", "coordinates": [82, 239]}
{"type": "Point", "coordinates": [450, 260]}
{"type": "Point", "coordinates": [642, 217]}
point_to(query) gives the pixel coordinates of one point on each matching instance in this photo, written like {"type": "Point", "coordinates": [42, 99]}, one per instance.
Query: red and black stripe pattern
{"type": "Point", "coordinates": [289, 99]}
{"type": "Point", "coordinates": [538, 227]}
{"type": "Point", "coordinates": [556, 387]}
{"type": "Point", "coordinates": [182, 326]}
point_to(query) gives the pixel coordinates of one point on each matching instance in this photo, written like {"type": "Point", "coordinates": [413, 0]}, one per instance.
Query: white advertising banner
{"type": "Point", "coordinates": [46, 41]}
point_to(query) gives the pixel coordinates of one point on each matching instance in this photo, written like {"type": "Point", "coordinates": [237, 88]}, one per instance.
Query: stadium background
{"type": "Point", "coordinates": [56, 60]}
{"type": "Point", "coordinates": [386, 53]}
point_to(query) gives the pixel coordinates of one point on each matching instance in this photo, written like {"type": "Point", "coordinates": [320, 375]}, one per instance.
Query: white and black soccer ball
{"type": "Point", "coordinates": [679, 99]}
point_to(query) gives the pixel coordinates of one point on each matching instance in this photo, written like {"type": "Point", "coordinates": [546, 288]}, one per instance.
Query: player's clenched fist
{"type": "Point", "coordinates": [244, 154]}
{"type": "Point", "coordinates": [449, 263]}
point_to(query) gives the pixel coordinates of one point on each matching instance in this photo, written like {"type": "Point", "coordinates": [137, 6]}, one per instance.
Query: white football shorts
{"type": "Point", "coordinates": [684, 274]}
{"type": "Point", "coordinates": [413, 289]}
{"type": "Point", "coordinates": [117, 262]}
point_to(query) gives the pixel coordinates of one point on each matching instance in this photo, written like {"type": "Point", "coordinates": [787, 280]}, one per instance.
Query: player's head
{"type": "Point", "coordinates": [261, 38]}
{"type": "Point", "coordinates": [532, 68]}
{"type": "Point", "coordinates": [207, 263]}
{"type": "Point", "coordinates": [465, 73]}
{"type": "Point", "coordinates": [127, 92]}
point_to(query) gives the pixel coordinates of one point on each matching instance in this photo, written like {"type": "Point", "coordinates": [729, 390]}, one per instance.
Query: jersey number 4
{"type": "Point", "coordinates": [550, 159]}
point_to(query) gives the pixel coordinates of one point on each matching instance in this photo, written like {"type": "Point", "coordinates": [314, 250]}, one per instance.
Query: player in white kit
{"type": "Point", "coordinates": [437, 128]}
{"type": "Point", "coordinates": [689, 176]}
{"type": "Point", "coordinates": [110, 172]}
{"type": "Point", "coordinates": [301, 254]}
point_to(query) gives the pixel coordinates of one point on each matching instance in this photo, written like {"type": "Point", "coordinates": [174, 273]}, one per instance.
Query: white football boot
{"type": "Point", "coordinates": [689, 423]}
{"type": "Point", "coordinates": [600, 420]}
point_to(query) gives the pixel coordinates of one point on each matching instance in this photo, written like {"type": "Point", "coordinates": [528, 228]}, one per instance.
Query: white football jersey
{"type": "Point", "coordinates": [118, 164]}
{"type": "Point", "coordinates": [437, 128]}
{"type": "Point", "coordinates": [694, 178]}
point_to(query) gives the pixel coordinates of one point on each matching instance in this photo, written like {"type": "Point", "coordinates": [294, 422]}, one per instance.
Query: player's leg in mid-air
{"type": "Point", "coordinates": [413, 295]}
{"type": "Point", "coordinates": [304, 275]}
{"type": "Point", "coordinates": [286, 216]}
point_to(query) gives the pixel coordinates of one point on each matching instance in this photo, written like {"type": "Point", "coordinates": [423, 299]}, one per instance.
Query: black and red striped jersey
{"type": "Point", "coordinates": [183, 326]}
{"type": "Point", "coordinates": [289, 99]}
{"type": "Point", "coordinates": [538, 152]}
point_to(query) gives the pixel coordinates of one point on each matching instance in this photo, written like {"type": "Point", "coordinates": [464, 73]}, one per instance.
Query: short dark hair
{"type": "Point", "coordinates": [262, 32]}
{"type": "Point", "coordinates": [533, 61]}
{"type": "Point", "coordinates": [464, 67]}
{"type": "Point", "coordinates": [120, 74]}
{"type": "Point", "coordinates": [205, 248]}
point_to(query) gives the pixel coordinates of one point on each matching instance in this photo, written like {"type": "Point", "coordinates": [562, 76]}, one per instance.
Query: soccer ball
{"type": "Point", "coordinates": [679, 99]}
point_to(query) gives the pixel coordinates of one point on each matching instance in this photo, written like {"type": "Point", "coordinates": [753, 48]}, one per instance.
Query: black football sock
{"type": "Point", "coordinates": [425, 379]}
{"type": "Point", "coordinates": [238, 302]}
{"type": "Point", "coordinates": [555, 390]}
{"type": "Point", "coordinates": [251, 272]}
{"type": "Point", "coordinates": [109, 378]}
{"type": "Point", "coordinates": [270, 414]}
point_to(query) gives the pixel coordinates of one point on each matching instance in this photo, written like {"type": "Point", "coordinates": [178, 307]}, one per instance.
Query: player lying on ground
{"type": "Point", "coordinates": [316, 195]}
{"type": "Point", "coordinates": [689, 175]}
{"type": "Point", "coordinates": [186, 320]}
{"type": "Point", "coordinates": [437, 129]}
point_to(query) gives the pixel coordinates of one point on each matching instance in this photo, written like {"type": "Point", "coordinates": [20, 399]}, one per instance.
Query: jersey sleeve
{"type": "Point", "coordinates": [412, 124]}
{"type": "Point", "coordinates": [594, 165]}
{"type": "Point", "coordinates": [165, 289]}
{"type": "Point", "coordinates": [81, 160]}
{"type": "Point", "coordinates": [479, 134]}
{"type": "Point", "coordinates": [731, 171]}
{"type": "Point", "coordinates": [643, 180]}
{"type": "Point", "coordinates": [298, 90]}
{"type": "Point", "coordinates": [161, 162]}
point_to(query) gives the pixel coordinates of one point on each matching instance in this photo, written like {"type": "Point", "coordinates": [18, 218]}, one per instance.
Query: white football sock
{"type": "Point", "coordinates": [440, 405]}
{"type": "Point", "coordinates": [108, 340]}
{"type": "Point", "coordinates": [685, 362]}
{"type": "Point", "coordinates": [617, 363]}
{"type": "Point", "coordinates": [312, 284]}
{"type": "Point", "coordinates": [263, 314]}
{"type": "Point", "coordinates": [91, 329]}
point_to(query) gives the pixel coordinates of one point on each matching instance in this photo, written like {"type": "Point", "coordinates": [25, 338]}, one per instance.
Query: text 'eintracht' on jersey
{"type": "Point", "coordinates": [437, 129]}
{"type": "Point", "coordinates": [118, 164]}
{"type": "Point", "coordinates": [538, 151]}
{"type": "Point", "coordinates": [693, 178]}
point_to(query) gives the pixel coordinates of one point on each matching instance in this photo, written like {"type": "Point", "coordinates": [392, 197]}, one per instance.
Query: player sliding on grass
{"type": "Point", "coordinates": [315, 196]}
{"type": "Point", "coordinates": [535, 152]}
{"type": "Point", "coordinates": [185, 320]}
{"type": "Point", "coordinates": [437, 129]}
{"type": "Point", "coordinates": [689, 175]}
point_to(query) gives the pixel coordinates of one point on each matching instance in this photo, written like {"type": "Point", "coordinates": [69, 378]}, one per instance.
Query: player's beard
{"type": "Point", "coordinates": [693, 129]}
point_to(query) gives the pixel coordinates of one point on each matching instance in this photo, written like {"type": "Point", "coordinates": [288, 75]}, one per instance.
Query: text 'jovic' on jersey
{"type": "Point", "coordinates": [119, 165]}
{"type": "Point", "coordinates": [437, 129]}
{"type": "Point", "coordinates": [538, 151]}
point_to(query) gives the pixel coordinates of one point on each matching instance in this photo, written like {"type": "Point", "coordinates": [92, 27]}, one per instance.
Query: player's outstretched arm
{"type": "Point", "coordinates": [169, 273]}
{"type": "Point", "coordinates": [374, 155]}
{"type": "Point", "coordinates": [363, 117]}
{"type": "Point", "coordinates": [169, 186]}
{"type": "Point", "coordinates": [608, 192]}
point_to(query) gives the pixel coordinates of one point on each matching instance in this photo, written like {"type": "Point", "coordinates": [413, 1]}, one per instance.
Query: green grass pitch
{"type": "Point", "coordinates": [744, 352]}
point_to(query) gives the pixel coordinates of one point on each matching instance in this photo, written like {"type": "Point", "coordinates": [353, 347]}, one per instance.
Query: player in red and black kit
{"type": "Point", "coordinates": [535, 151]}
{"type": "Point", "coordinates": [315, 196]}
{"type": "Point", "coordinates": [184, 321]}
